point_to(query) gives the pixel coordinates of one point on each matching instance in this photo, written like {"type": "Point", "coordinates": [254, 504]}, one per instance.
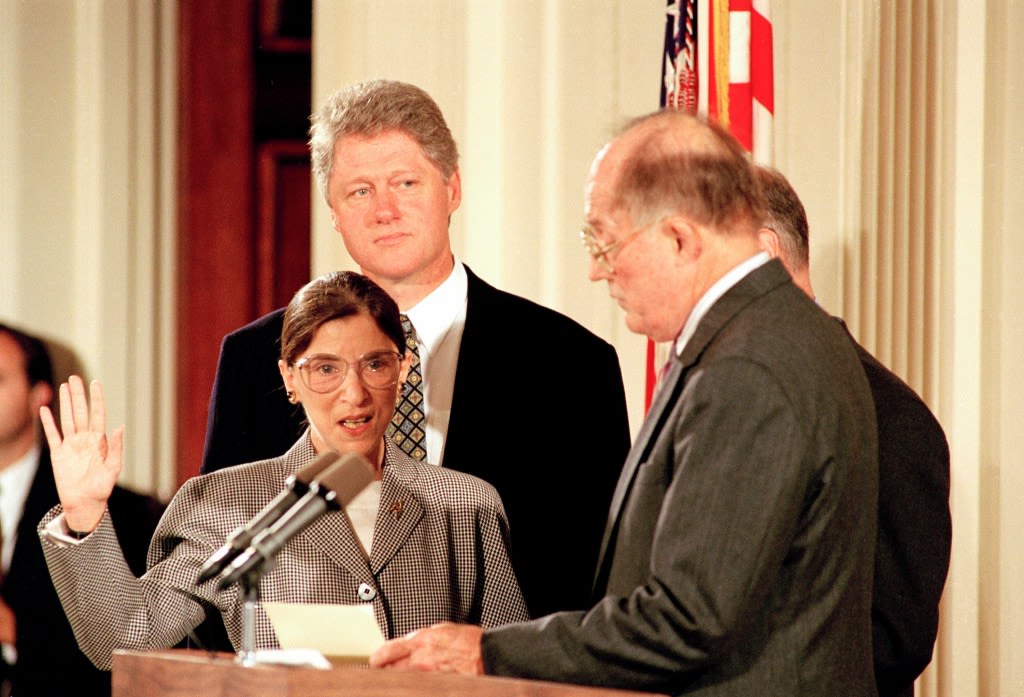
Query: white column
{"type": "Point", "coordinates": [88, 245]}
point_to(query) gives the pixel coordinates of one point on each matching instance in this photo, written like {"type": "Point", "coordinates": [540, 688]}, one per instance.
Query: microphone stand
{"type": "Point", "coordinates": [349, 477]}
{"type": "Point", "coordinates": [250, 584]}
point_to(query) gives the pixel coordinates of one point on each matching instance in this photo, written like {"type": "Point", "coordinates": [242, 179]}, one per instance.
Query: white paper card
{"type": "Point", "coordinates": [346, 632]}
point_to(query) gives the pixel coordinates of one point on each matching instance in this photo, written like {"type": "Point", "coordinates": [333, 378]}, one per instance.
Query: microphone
{"type": "Point", "coordinates": [297, 485]}
{"type": "Point", "coordinates": [331, 490]}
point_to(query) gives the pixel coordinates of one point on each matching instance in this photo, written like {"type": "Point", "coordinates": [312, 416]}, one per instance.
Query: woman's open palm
{"type": "Point", "coordinates": [86, 463]}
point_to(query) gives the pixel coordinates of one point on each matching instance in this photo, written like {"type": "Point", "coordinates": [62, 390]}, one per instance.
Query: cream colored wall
{"type": "Point", "coordinates": [86, 229]}
{"type": "Point", "coordinates": [1000, 371]}
{"type": "Point", "coordinates": [532, 88]}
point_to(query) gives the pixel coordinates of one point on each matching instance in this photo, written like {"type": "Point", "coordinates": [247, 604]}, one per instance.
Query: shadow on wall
{"type": "Point", "coordinates": [65, 361]}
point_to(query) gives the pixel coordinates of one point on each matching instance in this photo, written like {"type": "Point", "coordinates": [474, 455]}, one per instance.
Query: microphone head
{"type": "Point", "coordinates": [321, 462]}
{"type": "Point", "coordinates": [297, 485]}
{"type": "Point", "coordinates": [346, 478]}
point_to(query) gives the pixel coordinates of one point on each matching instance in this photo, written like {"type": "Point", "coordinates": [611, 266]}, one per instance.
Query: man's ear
{"type": "Point", "coordinates": [769, 240]}
{"type": "Point", "coordinates": [454, 187]}
{"type": "Point", "coordinates": [41, 395]}
{"type": "Point", "coordinates": [685, 235]}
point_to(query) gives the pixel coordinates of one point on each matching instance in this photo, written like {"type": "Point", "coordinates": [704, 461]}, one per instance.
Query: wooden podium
{"type": "Point", "coordinates": [186, 673]}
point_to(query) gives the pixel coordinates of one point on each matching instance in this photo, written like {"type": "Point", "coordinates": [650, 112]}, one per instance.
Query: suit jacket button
{"type": "Point", "coordinates": [366, 592]}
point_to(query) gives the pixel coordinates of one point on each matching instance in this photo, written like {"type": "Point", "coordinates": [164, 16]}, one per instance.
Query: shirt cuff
{"type": "Point", "coordinates": [57, 532]}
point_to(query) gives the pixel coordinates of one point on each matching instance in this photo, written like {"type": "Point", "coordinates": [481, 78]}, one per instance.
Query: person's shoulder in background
{"type": "Point", "coordinates": [135, 517]}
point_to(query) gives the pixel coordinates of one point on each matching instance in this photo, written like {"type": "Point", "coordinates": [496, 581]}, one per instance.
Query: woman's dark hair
{"type": "Point", "coordinates": [333, 296]}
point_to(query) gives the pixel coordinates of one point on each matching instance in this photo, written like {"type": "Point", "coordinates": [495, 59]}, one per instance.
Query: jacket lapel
{"type": "Point", "coordinates": [659, 411]}
{"type": "Point", "coordinates": [476, 333]}
{"type": "Point", "coordinates": [399, 514]}
{"type": "Point", "coordinates": [332, 532]}
{"type": "Point", "coordinates": [755, 284]}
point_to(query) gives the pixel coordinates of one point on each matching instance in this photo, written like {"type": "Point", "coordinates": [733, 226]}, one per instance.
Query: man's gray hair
{"type": "Point", "coordinates": [368, 109]}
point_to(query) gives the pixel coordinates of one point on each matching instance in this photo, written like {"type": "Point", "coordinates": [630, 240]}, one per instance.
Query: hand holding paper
{"type": "Point", "coordinates": [445, 648]}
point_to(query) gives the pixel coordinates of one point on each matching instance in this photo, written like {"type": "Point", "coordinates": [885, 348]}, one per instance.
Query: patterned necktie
{"type": "Point", "coordinates": [406, 427]}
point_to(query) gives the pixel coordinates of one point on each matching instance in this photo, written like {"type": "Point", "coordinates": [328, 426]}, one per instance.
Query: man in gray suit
{"type": "Point", "coordinates": [737, 556]}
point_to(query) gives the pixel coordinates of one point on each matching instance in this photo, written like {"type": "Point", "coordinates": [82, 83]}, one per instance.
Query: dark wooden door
{"type": "Point", "coordinates": [243, 183]}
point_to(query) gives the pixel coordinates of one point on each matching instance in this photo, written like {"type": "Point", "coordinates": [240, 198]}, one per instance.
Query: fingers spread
{"type": "Point", "coordinates": [116, 447]}
{"type": "Point", "coordinates": [67, 418]}
{"type": "Point", "coordinates": [98, 415]}
{"type": "Point", "coordinates": [50, 428]}
{"type": "Point", "coordinates": [79, 404]}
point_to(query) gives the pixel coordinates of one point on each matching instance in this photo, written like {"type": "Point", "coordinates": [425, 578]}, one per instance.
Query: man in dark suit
{"type": "Point", "coordinates": [914, 525]}
{"type": "Point", "coordinates": [41, 655]}
{"type": "Point", "coordinates": [737, 554]}
{"type": "Point", "coordinates": [515, 393]}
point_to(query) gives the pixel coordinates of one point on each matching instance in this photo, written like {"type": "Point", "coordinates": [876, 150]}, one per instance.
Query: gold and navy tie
{"type": "Point", "coordinates": [406, 427]}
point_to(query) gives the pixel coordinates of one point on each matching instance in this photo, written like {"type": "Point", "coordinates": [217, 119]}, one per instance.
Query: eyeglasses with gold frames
{"type": "Point", "coordinates": [602, 255]}
{"type": "Point", "coordinates": [325, 373]}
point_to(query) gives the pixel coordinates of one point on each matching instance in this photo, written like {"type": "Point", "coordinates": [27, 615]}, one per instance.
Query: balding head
{"type": "Point", "coordinates": [672, 205]}
{"type": "Point", "coordinates": [670, 162]}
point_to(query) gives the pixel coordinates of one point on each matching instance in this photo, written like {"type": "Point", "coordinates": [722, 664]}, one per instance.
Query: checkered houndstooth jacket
{"type": "Point", "coordinates": [439, 553]}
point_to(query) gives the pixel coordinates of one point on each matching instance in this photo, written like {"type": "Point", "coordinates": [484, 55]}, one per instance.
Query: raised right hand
{"type": "Point", "coordinates": [85, 463]}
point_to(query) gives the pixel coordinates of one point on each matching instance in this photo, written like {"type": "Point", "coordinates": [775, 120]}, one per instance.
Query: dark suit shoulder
{"type": "Point", "coordinates": [249, 416]}
{"type": "Point", "coordinates": [129, 504]}
{"type": "Point", "coordinates": [914, 528]}
{"type": "Point", "coordinates": [512, 370]}
{"type": "Point", "coordinates": [897, 405]}
{"type": "Point", "coordinates": [269, 325]}
{"type": "Point", "coordinates": [530, 319]}
{"type": "Point", "coordinates": [45, 638]}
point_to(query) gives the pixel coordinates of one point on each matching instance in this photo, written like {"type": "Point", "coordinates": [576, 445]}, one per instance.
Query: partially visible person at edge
{"type": "Point", "coordinates": [914, 526]}
{"type": "Point", "coordinates": [35, 635]}
{"type": "Point", "coordinates": [420, 545]}
{"type": "Point", "coordinates": [737, 558]}
{"type": "Point", "coordinates": [535, 391]}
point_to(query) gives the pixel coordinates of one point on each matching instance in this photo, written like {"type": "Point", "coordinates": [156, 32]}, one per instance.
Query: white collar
{"type": "Point", "coordinates": [716, 291]}
{"type": "Point", "coordinates": [434, 315]}
{"type": "Point", "coordinates": [17, 477]}
{"type": "Point", "coordinates": [15, 483]}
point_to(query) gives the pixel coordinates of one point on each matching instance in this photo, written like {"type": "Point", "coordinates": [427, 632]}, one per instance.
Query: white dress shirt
{"type": "Point", "coordinates": [15, 483]}
{"type": "Point", "coordinates": [439, 320]}
{"type": "Point", "coordinates": [716, 291]}
{"type": "Point", "coordinates": [362, 514]}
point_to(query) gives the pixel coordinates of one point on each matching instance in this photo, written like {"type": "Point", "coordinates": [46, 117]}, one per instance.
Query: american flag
{"type": "Point", "coordinates": [718, 62]}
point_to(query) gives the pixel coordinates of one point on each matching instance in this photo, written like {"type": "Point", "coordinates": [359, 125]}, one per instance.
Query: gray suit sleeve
{"type": "Point", "coordinates": [709, 518]}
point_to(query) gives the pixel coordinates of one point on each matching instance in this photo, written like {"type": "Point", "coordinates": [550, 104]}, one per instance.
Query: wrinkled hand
{"type": "Point", "coordinates": [85, 463]}
{"type": "Point", "coordinates": [444, 648]}
{"type": "Point", "coordinates": [8, 626]}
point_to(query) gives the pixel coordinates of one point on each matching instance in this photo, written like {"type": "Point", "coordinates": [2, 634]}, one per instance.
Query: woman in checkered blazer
{"type": "Point", "coordinates": [420, 545]}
